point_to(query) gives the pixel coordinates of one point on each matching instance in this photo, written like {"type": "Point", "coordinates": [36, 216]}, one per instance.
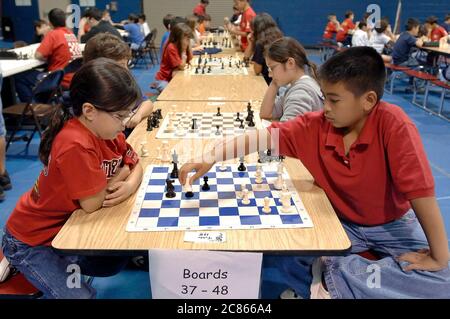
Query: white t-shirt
{"type": "Point", "coordinates": [360, 39]}
{"type": "Point", "coordinates": [378, 41]}
{"type": "Point", "coordinates": [145, 29]}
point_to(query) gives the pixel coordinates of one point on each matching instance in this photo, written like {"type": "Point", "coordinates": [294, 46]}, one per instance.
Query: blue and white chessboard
{"type": "Point", "coordinates": [219, 208]}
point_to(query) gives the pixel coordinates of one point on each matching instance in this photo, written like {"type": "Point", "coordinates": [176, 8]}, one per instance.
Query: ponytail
{"type": "Point", "coordinates": [60, 116]}
{"type": "Point", "coordinates": [312, 70]}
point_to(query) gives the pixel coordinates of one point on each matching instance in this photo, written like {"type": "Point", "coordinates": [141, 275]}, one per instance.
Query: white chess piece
{"type": "Point", "coordinates": [279, 182]}
{"type": "Point", "coordinates": [165, 156]}
{"type": "Point", "coordinates": [245, 199]}
{"type": "Point", "coordinates": [258, 174]}
{"type": "Point", "coordinates": [280, 168]}
{"type": "Point", "coordinates": [241, 194]}
{"type": "Point", "coordinates": [144, 152]}
{"type": "Point", "coordinates": [266, 209]}
{"type": "Point", "coordinates": [187, 187]}
{"type": "Point", "coordinates": [286, 200]}
{"type": "Point", "coordinates": [222, 167]}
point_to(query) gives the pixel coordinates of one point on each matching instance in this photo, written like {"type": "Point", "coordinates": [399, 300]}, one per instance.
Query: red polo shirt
{"type": "Point", "coordinates": [438, 33]}
{"type": "Point", "coordinates": [170, 61]}
{"type": "Point", "coordinates": [385, 168]}
{"type": "Point", "coordinates": [346, 25]}
{"type": "Point", "coordinates": [199, 10]}
{"type": "Point", "coordinates": [330, 30]}
{"type": "Point", "coordinates": [247, 17]}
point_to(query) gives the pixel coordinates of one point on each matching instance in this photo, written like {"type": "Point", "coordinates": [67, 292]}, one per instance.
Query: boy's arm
{"type": "Point", "coordinates": [120, 191]}
{"type": "Point", "coordinates": [144, 111]}
{"type": "Point", "coordinates": [437, 257]}
{"type": "Point", "coordinates": [258, 140]}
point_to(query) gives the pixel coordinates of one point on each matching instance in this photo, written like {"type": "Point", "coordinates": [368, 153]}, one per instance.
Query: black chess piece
{"type": "Point", "coordinates": [149, 124]}
{"type": "Point", "coordinates": [218, 112]}
{"type": "Point", "coordinates": [249, 107]}
{"type": "Point", "coordinates": [170, 188]}
{"type": "Point", "coordinates": [194, 124]}
{"type": "Point", "coordinates": [223, 66]}
{"type": "Point", "coordinates": [241, 167]}
{"type": "Point", "coordinates": [189, 194]}
{"type": "Point", "coordinates": [229, 64]}
{"type": "Point", "coordinates": [203, 70]}
{"type": "Point", "coordinates": [209, 69]}
{"type": "Point", "coordinates": [249, 116]}
{"type": "Point", "coordinates": [238, 118]}
{"type": "Point", "coordinates": [205, 186]}
{"type": "Point", "coordinates": [217, 130]}
{"type": "Point", "coordinates": [269, 152]}
{"type": "Point", "coordinates": [242, 125]}
{"type": "Point", "coordinates": [196, 70]}
{"type": "Point", "coordinates": [158, 112]}
{"type": "Point", "coordinates": [199, 60]}
{"type": "Point", "coordinates": [174, 173]}
{"type": "Point", "coordinates": [250, 122]}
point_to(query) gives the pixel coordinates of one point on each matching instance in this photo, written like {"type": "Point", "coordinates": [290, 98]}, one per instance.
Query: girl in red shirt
{"type": "Point", "coordinates": [87, 165]}
{"type": "Point", "coordinates": [176, 54]}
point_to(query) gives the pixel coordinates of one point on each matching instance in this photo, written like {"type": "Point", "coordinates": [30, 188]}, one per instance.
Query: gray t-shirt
{"type": "Point", "coordinates": [303, 96]}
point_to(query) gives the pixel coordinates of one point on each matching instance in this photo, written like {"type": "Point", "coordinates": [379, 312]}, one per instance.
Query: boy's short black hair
{"type": "Point", "coordinates": [204, 1]}
{"type": "Point", "coordinates": [94, 13]}
{"type": "Point", "coordinates": [412, 23]}
{"type": "Point", "coordinates": [360, 69]}
{"type": "Point", "coordinates": [447, 17]}
{"type": "Point", "coordinates": [167, 19]}
{"type": "Point", "coordinates": [133, 17]}
{"type": "Point", "coordinates": [432, 20]}
{"type": "Point", "coordinates": [57, 17]}
{"type": "Point", "coordinates": [348, 14]}
{"type": "Point", "coordinates": [143, 17]}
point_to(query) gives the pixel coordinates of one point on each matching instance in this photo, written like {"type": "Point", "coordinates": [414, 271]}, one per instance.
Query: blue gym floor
{"type": "Point", "coordinates": [24, 167]}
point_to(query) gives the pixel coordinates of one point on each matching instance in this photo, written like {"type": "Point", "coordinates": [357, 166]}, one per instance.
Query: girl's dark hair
{"type": "Point", "coordinates": [101, 82]}
{"type": "Point", "coordinates": [177, 32]}
{"type": "Point", "coordinates": [265, 29]}
{"type": "Point", "coordinates": [383, 26]}
{"type": "Point", "coordinates": [283, 49]}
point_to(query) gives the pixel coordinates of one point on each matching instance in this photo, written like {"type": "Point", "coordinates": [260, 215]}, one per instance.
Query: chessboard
{"type": "Point", "coordinates": [178, 125]}
{"type": "Point", "coordinates": [220, 207]}
{"type": "Point", "coordinates": [209, 65]}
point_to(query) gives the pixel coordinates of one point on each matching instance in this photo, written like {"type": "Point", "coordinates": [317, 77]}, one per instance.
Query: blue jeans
{"type": "Point", "coordinates": [161, 85]}
{"type": "Point", "coordinates": [25, 82]}
{"type": "Point", "coordinates": [353, 276]}
{"type": "Point", "coordinates": [53, 274]}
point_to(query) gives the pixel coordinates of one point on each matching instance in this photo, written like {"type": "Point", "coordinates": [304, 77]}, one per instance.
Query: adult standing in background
{"type": "Point", "coordinates": [200, 8]}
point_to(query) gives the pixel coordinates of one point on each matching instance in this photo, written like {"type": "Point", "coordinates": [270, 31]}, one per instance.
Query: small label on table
{"type": "Point", "coordinates": [205, 237]}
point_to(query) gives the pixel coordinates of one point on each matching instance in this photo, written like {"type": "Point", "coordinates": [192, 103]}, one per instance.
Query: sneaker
{"type": "Point", "coordinates": [317, 289]}
{"type": "Point", "coordinates": [5, 181]}
{"type": "Point", "coordinates": [289, 294]}
{"type": "Point", "coordinates": [5, 269]}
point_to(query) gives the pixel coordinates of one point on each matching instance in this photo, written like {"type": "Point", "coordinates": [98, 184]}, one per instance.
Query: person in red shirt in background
{"type": "Point", "coordinates": [87, 165]}
{"type": "Point", "coordinates": [58, 48]}
{"type": "Point", "coordinates": [344, 35]}
{"type": "Point", "coordinates": [244, 27]}
{"type": "Point", "coordinates": [200, 9]}
{"type": "Point", "coordinates": [367, 156]}
{"type": "Point", "coordinates": [435, 31]}
{"type": "Point", "coordinates": [176, 54]}
{"type": "Point", "coordinates": [331, 29]}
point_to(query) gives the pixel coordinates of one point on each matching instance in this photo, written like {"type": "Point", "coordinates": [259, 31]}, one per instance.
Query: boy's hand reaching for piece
{"type": "Point", "coordinates": [199, 168]}
{"type": "Point", "coordinates": [422, 260]}
{"type": "Point", "coordinates": [117, 193]}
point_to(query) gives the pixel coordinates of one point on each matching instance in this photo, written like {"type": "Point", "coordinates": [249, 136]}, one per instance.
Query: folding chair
{"type": "Point", "coordinates": [45, 96]}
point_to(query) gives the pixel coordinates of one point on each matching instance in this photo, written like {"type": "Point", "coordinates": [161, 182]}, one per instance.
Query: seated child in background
{"type": "Point", "coordinates": [333, 26]}
{"type": "Point", "coordinates": [88, 165]}
{"type": "Point", "coordinates": [289, 66]}
{"type": "Point", "coordinates": [360, 37]}
{"type": "Point", "coordinates": [105, 45]}
{"type": "Point", "coordinates": [401, 53]}
{"type": "Point", "coordinates": [367, 156]}
{"type": "Point", "coordinates": [176, 54]}
{"type": "Point", "coordinates": [381, 37]}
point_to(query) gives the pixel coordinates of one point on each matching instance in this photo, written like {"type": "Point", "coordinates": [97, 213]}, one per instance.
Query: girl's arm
{"type": "Point", "coordinates": [268, 101]}
{"type": "Point", "coordinates": [120, 191]}
{"type": "Point", "coordinates": [145, 109]}
{"type": "Point", "coordinates": [430, 218]}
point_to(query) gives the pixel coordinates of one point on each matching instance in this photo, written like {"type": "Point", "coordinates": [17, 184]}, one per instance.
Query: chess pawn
{"type": "Point", "coordinates": [266, 209]}
{"type": "Point", "coordinates": [245, 199]}
{"type": "Point", "coordinates": [144, 152]}
{"type": "Point", "coordinates": [258, 176]}
{"type": "Point", "coordinates": [165, 156]}
{"type": "Point", "coordinates": [243, 187]}
{"type": "Point", "coordinates": [286, 201]}
{"type": "Point", "coordinates": [278, 182]}
{"type": "Point", "coordinates": [222, 167]}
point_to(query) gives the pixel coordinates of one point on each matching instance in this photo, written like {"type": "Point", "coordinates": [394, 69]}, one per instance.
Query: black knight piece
{"type": "Point", "coordinates": [170, 188]}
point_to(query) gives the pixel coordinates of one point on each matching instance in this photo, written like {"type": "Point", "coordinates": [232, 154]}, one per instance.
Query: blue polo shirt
{"type": "Point", "coordinates": [402, 48]}
{"type": "Point", "coordinates": [134, 33]}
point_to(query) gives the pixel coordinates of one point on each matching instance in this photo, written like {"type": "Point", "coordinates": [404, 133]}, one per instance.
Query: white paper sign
{"type": "Point", "coordinates": [205, 237]}
{"type": "Point", "coordinates": [190, 274]}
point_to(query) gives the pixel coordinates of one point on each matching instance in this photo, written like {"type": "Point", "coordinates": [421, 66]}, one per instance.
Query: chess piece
{"type": "Point", "coordinates": [170, 188]}
{"type": "Point", "coordinates": [203, 70]}
{"type": "Point", "coordinates": [209, 69]}
{"type": "Point", "coordinates": [205, 186]}
{"type": "Point", "coordinates": [149, 124]}
{"type": "Point", "coordinates": [194, 125]}
{"type": "Point", "coordinates": [223, 66]}
{"type": "Point", "coordinates": [266, 209]}
{"type": "Point", "coordinates": [188, 189]}
{"type": "Point", "coordinates": [165, 155]}
{"type": "Point", "coordinates": [242, 125]}
{"type": "Point", "coordinates": [245, 200]}
{"type": "Point", "coordinates": [279, 182]}
{"type": "Point", "coordinates": [241, 167]}
{"type": "Point", "coordinates": [258, 174]}
{"type": "Point", "coordinates": [218, 130]}
{"type": "Point", "coordinates": [238, 117]}
{"type": "Point", "coordinates": [144, 152]}
{"type": "Point", "coordinates": [159, 114]}
{"type": "Point", "coordinates": [218, 112]}
{"type": "Point", "coordinates": [250, 122]}
{"type": "Point", "coordinates": [222, 167]}
{"type": "Point", "coordinates": [175, 157]}
{"type": "Point", "coordinates": [280, 168]}
{"type": "Point", "coordinates": [174, 173]}
{"type": "Point", "coordinates": [286, 201]}
{"type": "Point", "coordinates": [196, 70]}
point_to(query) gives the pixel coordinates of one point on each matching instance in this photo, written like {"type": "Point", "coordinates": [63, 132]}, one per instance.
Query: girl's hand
{"type": "Point", "coordinates": [422, 260]}
{"type": "Point", "coordinates": [117, 193]}
{"type": "Point", "coordinates": [134, 121]}
{"type": "Point", "coordinates": [200, 169]}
